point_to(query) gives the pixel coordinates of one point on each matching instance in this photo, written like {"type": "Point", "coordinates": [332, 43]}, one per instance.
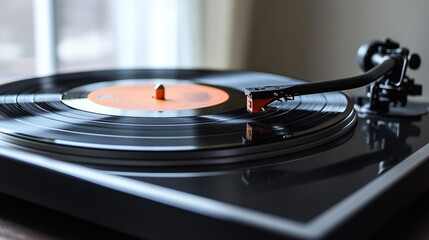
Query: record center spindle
{"type": "Point", "coordinates": [159, 92]}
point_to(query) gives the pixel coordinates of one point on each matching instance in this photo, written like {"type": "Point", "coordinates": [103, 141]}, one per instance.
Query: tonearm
{"type": "Point", "coordinates": [385, 64]}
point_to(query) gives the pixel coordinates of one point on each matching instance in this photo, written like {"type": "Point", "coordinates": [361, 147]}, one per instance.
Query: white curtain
{"type": "Point", "coordinates": [141, 33]}
{"type": "Point", "coordinates": [161, 33]}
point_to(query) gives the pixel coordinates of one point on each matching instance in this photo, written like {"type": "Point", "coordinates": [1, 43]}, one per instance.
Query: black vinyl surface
{"type": "Point", "coordinates": [34, 117]}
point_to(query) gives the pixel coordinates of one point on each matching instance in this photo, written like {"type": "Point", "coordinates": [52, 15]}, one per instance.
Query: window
{"type": "Point", "coordinates": [48, 36]}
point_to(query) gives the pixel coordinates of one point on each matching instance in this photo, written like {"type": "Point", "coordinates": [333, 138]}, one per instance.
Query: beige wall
{"type": "Point", "coordinates": [318, 40]}
{"type": "Point", "coordinates": [225, 33]}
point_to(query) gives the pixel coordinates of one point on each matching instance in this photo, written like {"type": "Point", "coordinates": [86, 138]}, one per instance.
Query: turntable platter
{"type": "Point", "coordinates": [112, 117]}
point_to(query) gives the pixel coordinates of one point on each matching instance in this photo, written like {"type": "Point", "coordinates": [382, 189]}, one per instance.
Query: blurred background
{"type": "Point", "coordinates": [309, 40]}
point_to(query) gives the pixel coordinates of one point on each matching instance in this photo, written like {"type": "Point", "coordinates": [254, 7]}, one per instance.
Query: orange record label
{"type": "Point", "coordinates": [142, 97]}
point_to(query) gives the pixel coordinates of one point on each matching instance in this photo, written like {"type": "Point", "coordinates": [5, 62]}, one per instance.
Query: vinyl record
{"type": "Point", "coordinates": [112, 117]}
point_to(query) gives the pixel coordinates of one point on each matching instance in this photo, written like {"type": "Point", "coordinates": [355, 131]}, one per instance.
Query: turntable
{"type": "Point", "coordinates": [159, 153]}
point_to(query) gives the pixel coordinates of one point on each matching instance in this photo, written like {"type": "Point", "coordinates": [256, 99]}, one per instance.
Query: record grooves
{"type": "Point", "coordinates": [37, 116]}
